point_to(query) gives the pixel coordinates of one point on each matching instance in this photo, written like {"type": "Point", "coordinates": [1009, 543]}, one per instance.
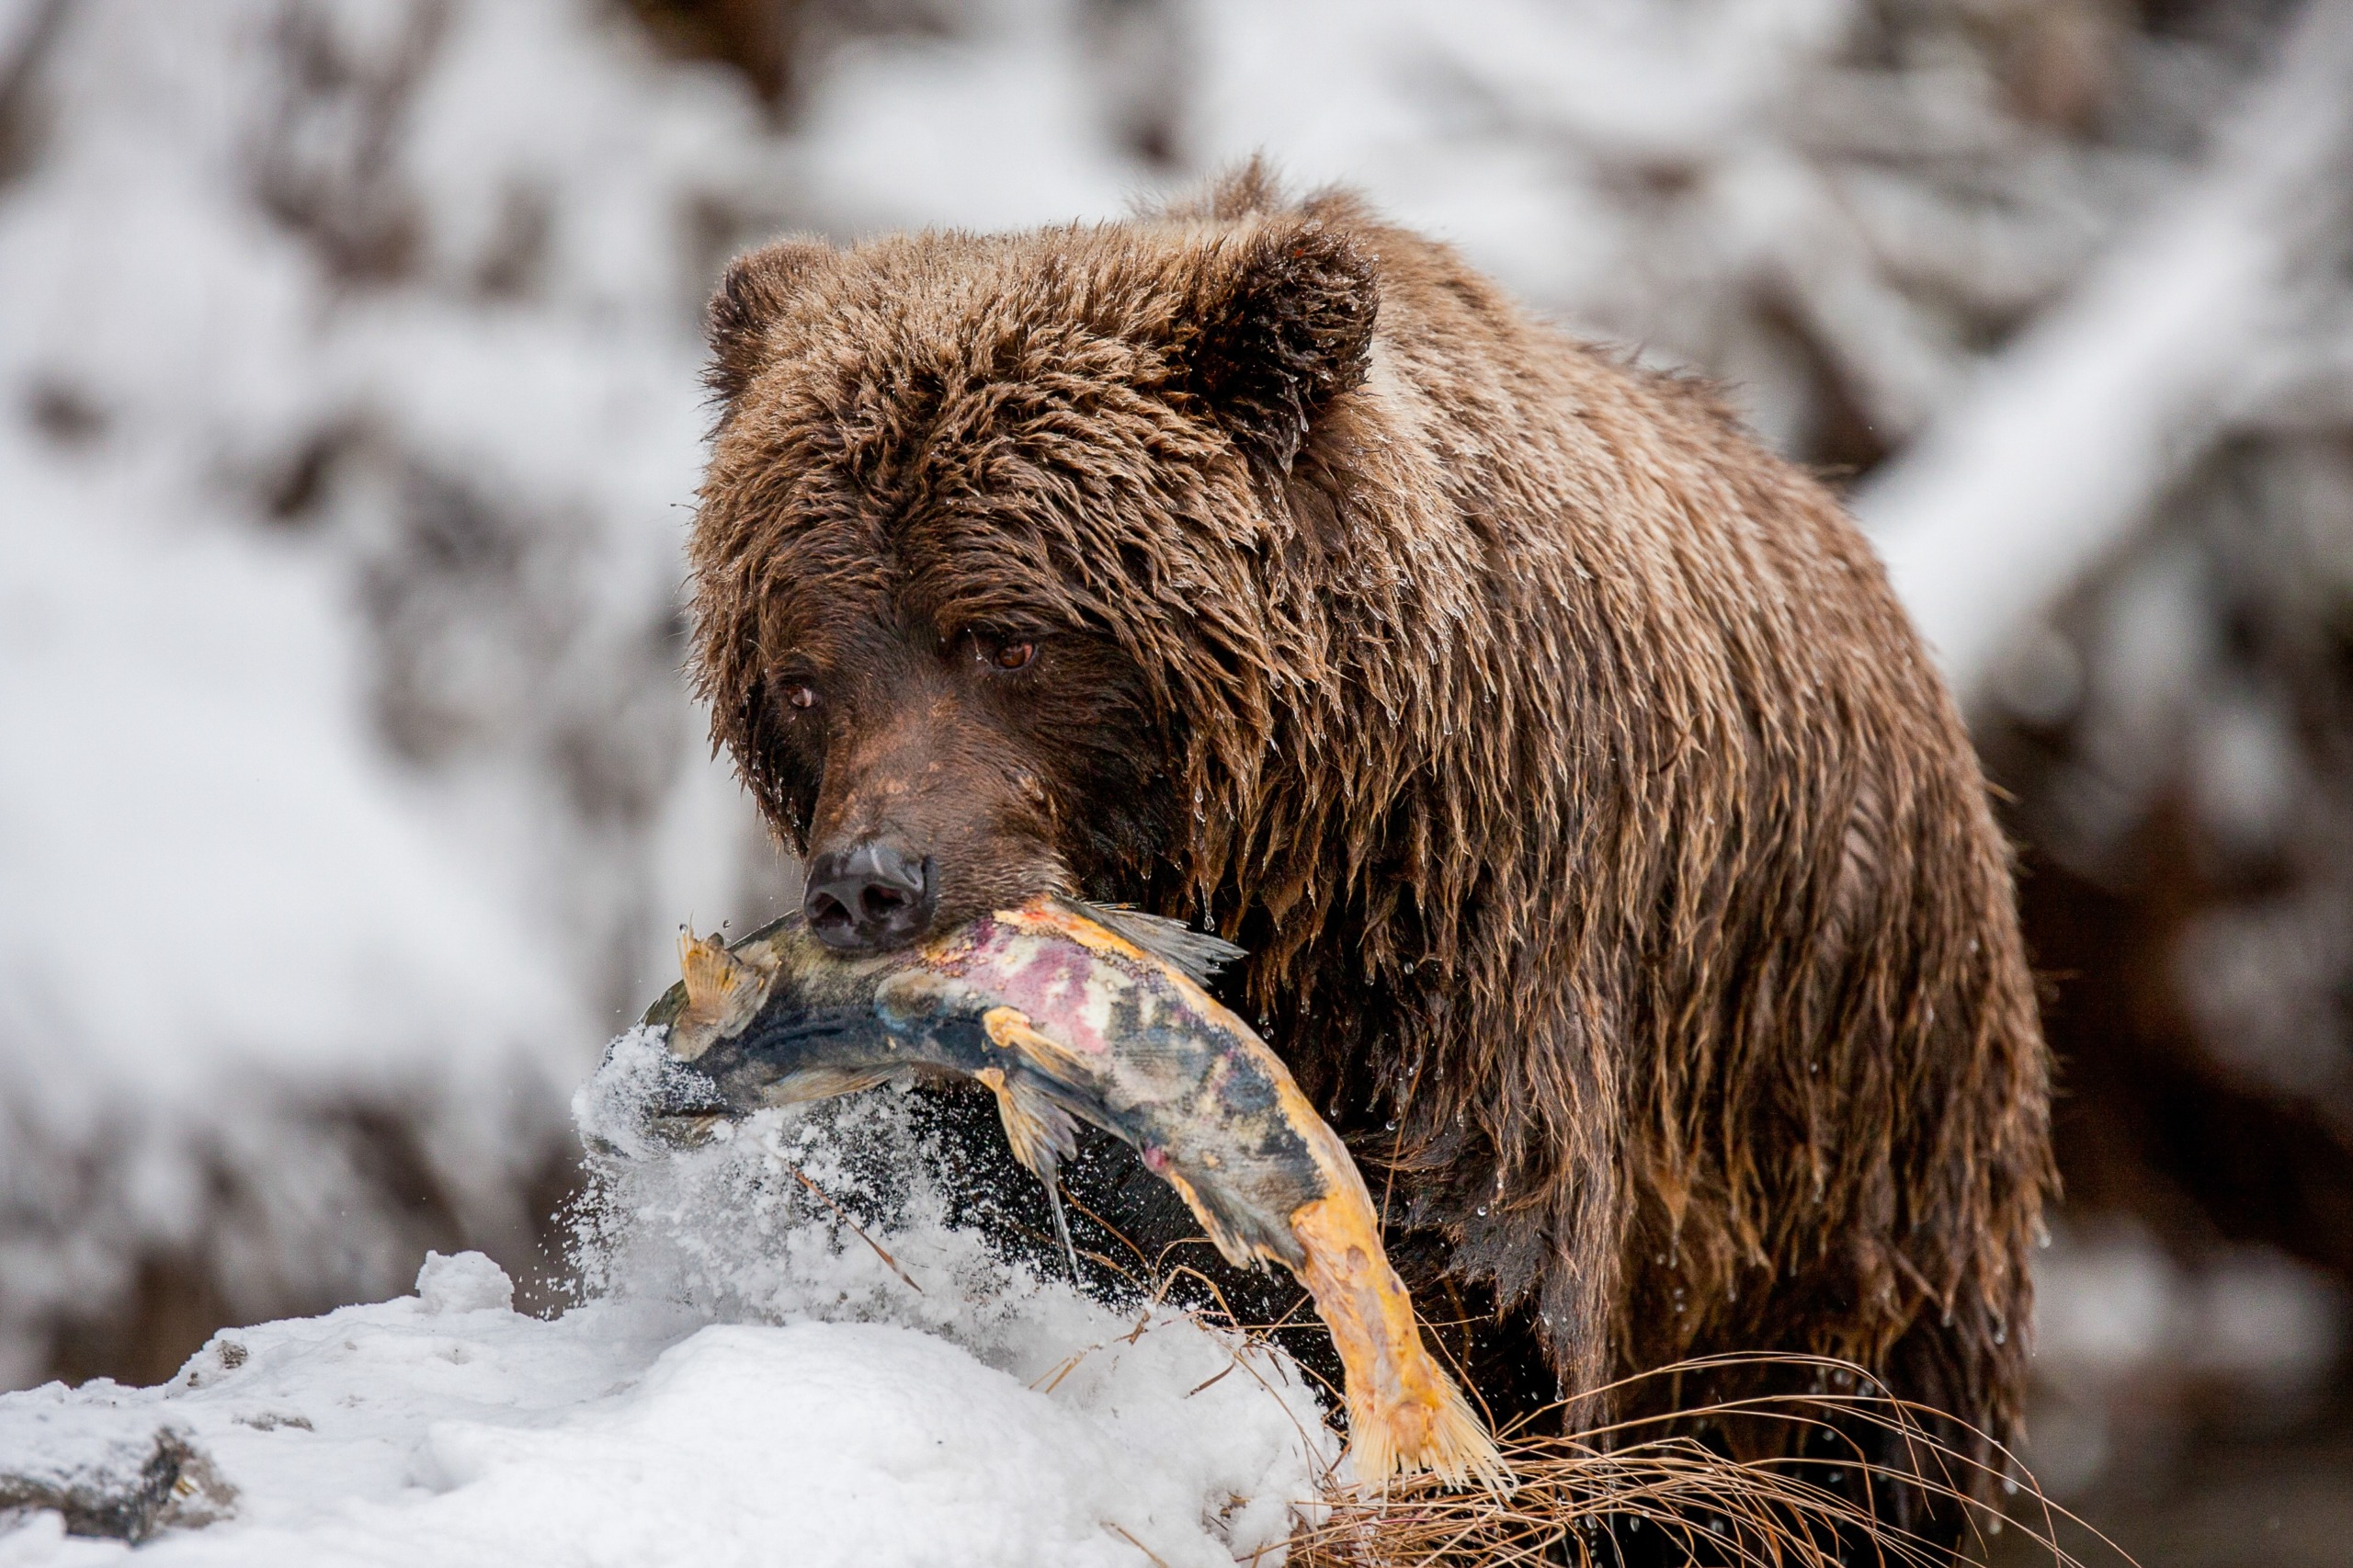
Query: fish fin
{"type": "Point", "coordinates": [1042, 1133]}
{"type": "Point", "coordinates": [1243, 1239]}
{"type": "Point", "coordinates": [722, 993]}
{"type": "Point", "coordinates": [1198, 955]}
{"type": "Point", "coordinates": [823, 1084]}
{"type": "Point", "coordinates": [1437, 1432]}
{"type": "Point", "coordinates": [1009, 1030]}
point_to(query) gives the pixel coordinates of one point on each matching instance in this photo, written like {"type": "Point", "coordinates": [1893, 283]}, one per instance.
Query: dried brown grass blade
{"type": "Point", "coordinates": [1773, 1511]}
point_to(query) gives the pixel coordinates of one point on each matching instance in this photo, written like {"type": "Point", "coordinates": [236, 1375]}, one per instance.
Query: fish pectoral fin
{"type": "Point", "coordinates": [1042, 1133]}
{"type": "Point", "coordinates": [1198, 954]}
{"type": "Point", "coordinates": [1010, 1030]}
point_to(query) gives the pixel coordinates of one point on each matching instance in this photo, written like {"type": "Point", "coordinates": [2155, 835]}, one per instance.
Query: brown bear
{"type": "Point", "coordinates": [1615, 870]}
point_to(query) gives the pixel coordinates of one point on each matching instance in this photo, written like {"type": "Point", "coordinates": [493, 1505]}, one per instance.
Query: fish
{"type": "Point", "coordinates": [1072, 1013]}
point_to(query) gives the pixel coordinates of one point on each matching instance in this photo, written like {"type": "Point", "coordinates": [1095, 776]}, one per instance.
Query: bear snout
{"type": "Point", "coordinates": [873, 896]}
{"type": "Point", "coordinates": [923, 821]}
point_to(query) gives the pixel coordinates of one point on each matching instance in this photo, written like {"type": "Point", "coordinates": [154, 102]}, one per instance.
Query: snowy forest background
{"type": "Point", "coordinates": [349, 424]}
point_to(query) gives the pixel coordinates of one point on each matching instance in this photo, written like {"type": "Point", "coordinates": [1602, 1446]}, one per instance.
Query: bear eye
{"type": "Point", "coordinates": [1005, 653]}
{"type": "Point", "coordinates": [801, 697]}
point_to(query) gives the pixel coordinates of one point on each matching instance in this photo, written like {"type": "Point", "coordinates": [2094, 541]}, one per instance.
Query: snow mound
{"type": "Point", "coordinates": [793, 1354]}
{"type": "Point", "coordinates": [445, 1427]}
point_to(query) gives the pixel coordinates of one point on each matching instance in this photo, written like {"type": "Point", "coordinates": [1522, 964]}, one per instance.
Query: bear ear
{"type": "Point", "coordinates": [1283, 325]}
{"type": "Point", "coordinates": [754, 292]}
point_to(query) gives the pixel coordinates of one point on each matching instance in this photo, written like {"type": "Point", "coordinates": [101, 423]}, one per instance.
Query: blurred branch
{"type": "Point", "coordinates": [2067, 441]}
{"type": "Point", "coordinates": [1811, 247]}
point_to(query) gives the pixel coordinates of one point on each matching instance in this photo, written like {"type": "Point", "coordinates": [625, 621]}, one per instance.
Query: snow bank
{"type": "Point", "coordinates": [457, 1431]}
{"type": "Point", "coordinates": [888, 1391]}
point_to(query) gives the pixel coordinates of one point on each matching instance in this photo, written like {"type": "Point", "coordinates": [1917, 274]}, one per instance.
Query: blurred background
{"type": "Point", "coordinates": [350, 426]}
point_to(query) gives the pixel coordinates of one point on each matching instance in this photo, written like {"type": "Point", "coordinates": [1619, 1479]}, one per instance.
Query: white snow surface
{"type": "Point", "coordinates": [758, 1384]}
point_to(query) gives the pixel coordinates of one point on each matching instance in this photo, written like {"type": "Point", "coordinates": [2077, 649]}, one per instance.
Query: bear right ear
{"type": "Point", "coordinates": [1282, 324]}
{"type": "Point", "coordinates": [754, 292]}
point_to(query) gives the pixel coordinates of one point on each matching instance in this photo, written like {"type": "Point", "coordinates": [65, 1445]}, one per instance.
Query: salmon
{"type": "Point", "coordinates": [1070, 1014]}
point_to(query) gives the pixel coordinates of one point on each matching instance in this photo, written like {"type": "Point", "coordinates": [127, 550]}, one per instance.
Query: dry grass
{"type": "Point", "coordinates": [1575, 1498]}
{"type": "Point", "coordinates": [1578, 1498]}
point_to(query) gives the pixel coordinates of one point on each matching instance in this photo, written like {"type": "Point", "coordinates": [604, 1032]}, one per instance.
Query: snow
{"type": "Point", "coordinates": [943, 1403]}
{"type": "Point", "coordinates": [194, 719]}
{"type": "Point", "coordinates": [398, 1433]}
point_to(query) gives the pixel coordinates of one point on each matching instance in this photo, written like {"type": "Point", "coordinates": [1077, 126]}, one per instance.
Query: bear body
{"type": "Point", "coordinates": [1616, 872]}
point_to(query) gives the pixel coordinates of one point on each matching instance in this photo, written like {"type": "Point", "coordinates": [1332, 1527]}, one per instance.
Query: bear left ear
{"type": "Point", "coordinates": [1283, 325]}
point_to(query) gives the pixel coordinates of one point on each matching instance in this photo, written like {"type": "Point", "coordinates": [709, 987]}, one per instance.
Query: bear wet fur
{"type": "Point", "coordinates": [1616, 871]}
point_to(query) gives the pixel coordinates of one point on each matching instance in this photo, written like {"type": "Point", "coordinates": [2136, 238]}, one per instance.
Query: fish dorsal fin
{"type": "Point", "coordinates": [1197, 954]}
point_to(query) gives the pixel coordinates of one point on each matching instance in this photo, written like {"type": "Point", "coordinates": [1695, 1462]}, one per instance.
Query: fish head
{"type": "Point", "coordinates": [777, 1019]}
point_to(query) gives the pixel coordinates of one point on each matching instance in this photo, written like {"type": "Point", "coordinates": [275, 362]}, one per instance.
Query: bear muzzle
{"type": "Point", "coordinates": [872, 895]}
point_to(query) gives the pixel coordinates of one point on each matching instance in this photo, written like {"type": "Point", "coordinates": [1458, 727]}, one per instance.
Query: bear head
{"type": "Point", "coordinates": [979, 599]}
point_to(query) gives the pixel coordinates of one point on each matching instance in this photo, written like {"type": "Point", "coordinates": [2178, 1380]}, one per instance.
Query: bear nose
{"type": "Point", "coordinates": [870, 896]}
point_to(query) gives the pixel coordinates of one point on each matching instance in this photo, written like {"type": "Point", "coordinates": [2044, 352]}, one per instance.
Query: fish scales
{"type": "Point", "coordinates": [1070, 1014]}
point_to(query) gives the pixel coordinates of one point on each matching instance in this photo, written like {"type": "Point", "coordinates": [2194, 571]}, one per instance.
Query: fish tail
{"type": "Point", "coordinates": [1404, 1412]}
{"type": "Point", "coordinates": [1429, 1427]}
